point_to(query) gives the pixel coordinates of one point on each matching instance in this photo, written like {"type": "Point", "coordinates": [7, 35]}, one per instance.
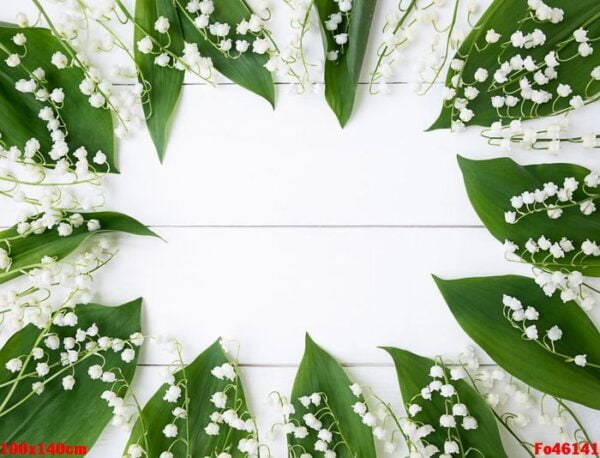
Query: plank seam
{"type": "Point", "coordinates": [316, 226]}
{"type": "Point", "coordinates": [293, 366]}
{"type": "Point", "coordinates": [283, 83]}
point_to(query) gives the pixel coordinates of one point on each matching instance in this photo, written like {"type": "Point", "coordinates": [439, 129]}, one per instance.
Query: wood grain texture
{"type": "Point", "coordinates": [353, 289]}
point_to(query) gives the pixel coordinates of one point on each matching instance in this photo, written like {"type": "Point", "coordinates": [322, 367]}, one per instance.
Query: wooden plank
{"type": "Point", "coordinates": [354, 289]}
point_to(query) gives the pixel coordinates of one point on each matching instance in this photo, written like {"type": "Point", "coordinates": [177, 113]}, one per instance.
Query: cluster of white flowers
{"type": "Point", "coordinates": [37, 85]}
{"type": "Point", "coordinates": [233, 40]}
{"type": "Point", "coordinates": [401, 29]}
{"type": "Point", "coordinates": [35, 185]}
{"type": "Point", "coordinates": [118, 397]}
{"type": "Point", "coordinates": [101, 93]}
{"type": "Point", "coordinates": [442, 45]}
{"type": "Point", "coordinates": [292, 59]}
{"type": "Point", "coordinates": [377, 421]}
{"type": "Point", "coordinates": [175, 393]}
{"type": "Point", "coordinates": [337, 25]}
{"type": "Point", "coordinates": [37, 178]}
{"type": "Point", "coordinates": [547, 255]}
{"type": "Point", "coordinates": [13, 59]}
{"type": "Point", "coordinates": [500, 392]}
{"type": "Point", "coordinates": [544, 12]}
{"type": "Point", "coordinates": [286, 409]}
{"type": "Point", "coordinates": [51, 284]}
{"type": "Point", "coordinates": [65, 223]}
{"type": "Point", "coordinates": [549, 138]}
{"type": "Point", "coordinates": [513, 402]}
{"type": "Point", "coordinates": [553, 200]}
{"type": "Point", "coordinates": [72, 29]}
{"type": "Point", "coordinates": [524, 318]}
{"type": "Point", "coordinates": [230, 415]}
{"type": "Point", "coordinates": [54, 357]}
{"type": "Point", "coordinates": [523, 81]}
{"type": "Point", "coordinates": [318, 424]}
{"type": "Point", "coordinates": [442, 386]}
{"type": "Point", "coordinates": [44, 184]}
{"type": "Point", "coordinates": [556, 250]}
{"type": "Point", "coordinates": [454, 417]}
{"type": "Point", "coordinates": [191, 60]}
{"type": "Point", "coordinates": [569, 282]}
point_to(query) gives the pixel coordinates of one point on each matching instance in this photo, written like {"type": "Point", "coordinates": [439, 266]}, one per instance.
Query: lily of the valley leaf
{"type": "Point", "coordinates": [524, 60]}
{"type": "Point", "coordinates": [40, 95]}
{"type": "Point", "coordinates": [551, 346]}
{"type": "Point", "coordinates": [450, 414]}
{"type": "Point", "coordinates": [323, 400]}
{"type": "Point", "coordinates": [200, 411]}
{"type": "Point", "coordinates": [53, 381]}
{"type": "Point", "coordinates": [24, 246]}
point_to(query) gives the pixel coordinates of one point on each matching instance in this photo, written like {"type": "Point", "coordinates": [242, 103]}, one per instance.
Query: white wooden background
{"type": "Point", "coordinates": [278, 223]}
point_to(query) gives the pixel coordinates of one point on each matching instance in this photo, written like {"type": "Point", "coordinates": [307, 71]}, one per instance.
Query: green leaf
{"type": "Point", "coordinates": [322, 374]}
{"type": "Point", "coordinates": [27, 252]}
{"type": "Point", "coordinates": [506, 17]}
{"type": "Point", "coordinates": [201, 385]}
{"type": "Point", "coordinates": [248, 70]}
{"type": "Point", "coordinates": [19, 121]}
{"type": "Point", "coordinates": [342, 76]}
{"type": "Point", "coordinates": [163, 85]}
{"type": "Point", "coordinates": [477, 305]}
{"type": "Point", "coordinates": [57, 415]}
{"type": "Point", "coordinates": [413, 376]}
{"type": "Point", "coordinates": [491, 184]}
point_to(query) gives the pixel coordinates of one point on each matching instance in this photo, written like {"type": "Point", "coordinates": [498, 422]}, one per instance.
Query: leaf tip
{"type": "Point", "coordinates": [440, 282]}
{"type": "Point", "coordinates": [386, 348]}
{"type": "Point", "coordinates": [161, 152]}
{"type": "Point", "coordinates": [159, 237]}
{"type": "Point", "coordinates": [217, 342]}
{"type": "Point", "coordinates": [308, 340]}
{"type": "Point", "coordinates": [436, 279]}
{"type": "Point", "coordinates": [343, 121]}
{"type": "Point", "coordinates": [464, 162]}
{"type": "Point", "coordinates": [135, 305]}
{"type": "Point", "coordinates": [137, 302]}
{"type": "Point", "coordinates": [443, 121]}
{"type": "Point", "coordinates": [159, 139]}
{"type": "Point", "coordinates": [437, 124]}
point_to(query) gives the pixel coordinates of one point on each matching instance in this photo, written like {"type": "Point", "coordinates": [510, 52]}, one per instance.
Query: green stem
{"type": "Point", "coordinates": [383, 53]}
{"type": "Point", "coordinates": [49, 379]}
{"type": "Point", "coordinates": [186, 402]}
{"type": "Point", "coordinates": [447, 50]}
{"type": "Point", "coordinates": [73, 55]}
{"type": "Point", "coordinates": [576, 419]}
{"type": "Point", "coordinates": [136, 24]}
{"type": "Point", "coordinates": [500, 419]}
